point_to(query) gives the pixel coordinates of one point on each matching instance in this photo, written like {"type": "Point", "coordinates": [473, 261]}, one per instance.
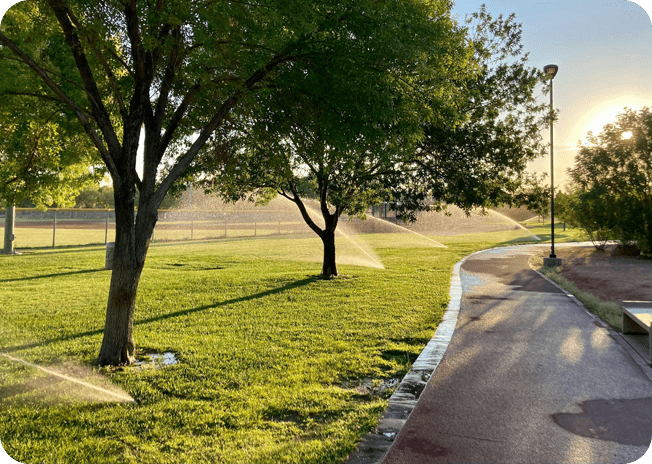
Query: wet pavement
{"type": "Point", "coordinates": [528, 377]}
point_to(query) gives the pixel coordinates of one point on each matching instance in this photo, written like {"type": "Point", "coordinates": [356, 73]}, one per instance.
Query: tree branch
{"type": "Point", "coordinates": [133, 32]}
{"type": "Point", "coordinates": [100, 114]}
{"type": "Point", "coordinates": [79, 112]}
{"type": "Point", "coordinates": [49, 71]}
{"type": "Point", "coordinates": [123, 63]}
{"type": "Point", "coordinates": [323, 198]}
{"type": "Point", "coordinates": [158, 115]}
{"type": "Point", "coordinates": [105, 64]}
{"type": "Point", "coordinates": [35, 95]}
{"type": "Point", "coordinates": [176, 120]}
{"type": "Point", "coordinates": [304, 212]}
{"type": "Point", "coordinates": [183, 163]}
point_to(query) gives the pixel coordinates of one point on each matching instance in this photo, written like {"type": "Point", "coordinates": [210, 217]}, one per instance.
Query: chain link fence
{"type": "Point", "coordinates": [73, 227]}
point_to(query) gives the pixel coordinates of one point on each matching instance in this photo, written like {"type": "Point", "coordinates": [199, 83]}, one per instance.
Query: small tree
{"type": "Point", "coordinates": [41, 163]}
{"type": "Point", "coordinates": [588, 211]}
{"type": "Point", "coordinates": [90, 197]}
{"type": "Point", "coordinates": [43, 158]}
{"type": "Point", "coordinates": [359, 145]}
{"type": "Point", "coordinates": [324, 167]}
{"type": "Point", "coordinates": [612, 180]}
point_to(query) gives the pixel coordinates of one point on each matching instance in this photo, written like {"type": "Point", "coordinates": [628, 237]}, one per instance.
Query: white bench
{"type": "Point", "coordinates": [637, 319]}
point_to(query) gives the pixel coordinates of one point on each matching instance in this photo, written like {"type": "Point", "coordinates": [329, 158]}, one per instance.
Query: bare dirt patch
{"type": "Point", "coordinates": [611, 278]}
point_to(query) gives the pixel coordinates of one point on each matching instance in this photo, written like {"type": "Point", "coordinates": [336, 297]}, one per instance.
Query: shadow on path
{"type": "Point", "coordinates": [513, 271]}
{"type": "Point", "coordinates": [623, 421]}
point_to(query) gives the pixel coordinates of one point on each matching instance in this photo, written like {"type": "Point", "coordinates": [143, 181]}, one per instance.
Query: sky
{"type": "Point", "coordinates": [604, 52]}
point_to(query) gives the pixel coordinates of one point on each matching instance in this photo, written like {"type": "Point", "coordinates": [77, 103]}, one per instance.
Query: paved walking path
{"type": "Point", "coordinates": [528, 377]}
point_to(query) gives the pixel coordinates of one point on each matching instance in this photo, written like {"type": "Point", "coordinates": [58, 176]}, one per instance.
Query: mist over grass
{"type": "Point", "coordinates": [272, 360]}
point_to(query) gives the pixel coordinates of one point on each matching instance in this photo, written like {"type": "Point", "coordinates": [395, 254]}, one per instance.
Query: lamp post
{"type": "Point", "coordinates": [551, 71]}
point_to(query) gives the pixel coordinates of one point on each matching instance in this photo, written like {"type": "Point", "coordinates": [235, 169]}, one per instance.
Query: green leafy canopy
{"type": "Point", "coordinates": [611, 188]}
{"type": "Point", "coordinates": [43, 157]}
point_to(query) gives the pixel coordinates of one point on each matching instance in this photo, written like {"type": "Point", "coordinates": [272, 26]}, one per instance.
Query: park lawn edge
{"type": "Point", "coordinates": [264, 406]}
{"type": "Point", "coordinates": [290, 419]}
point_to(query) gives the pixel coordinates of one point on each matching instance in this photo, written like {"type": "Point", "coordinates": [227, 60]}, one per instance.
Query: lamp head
{"type": "Point", "coordinates": [551, 70]}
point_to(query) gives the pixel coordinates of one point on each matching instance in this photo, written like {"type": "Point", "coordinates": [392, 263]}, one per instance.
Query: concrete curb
{"type": "Point", "coordinates": [374, 446]}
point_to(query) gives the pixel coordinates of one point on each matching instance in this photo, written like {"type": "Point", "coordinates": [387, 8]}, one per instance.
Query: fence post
{"type": "Point", "coordinates": [54, 228]}
{"type": "Point", "coordinates": [10, 220]}
{"type": "Point", "coordinates": [192, 222]}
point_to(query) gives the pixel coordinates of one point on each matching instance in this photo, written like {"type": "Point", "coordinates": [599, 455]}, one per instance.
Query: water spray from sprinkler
{"type": "Point", "coordinates": [120, 396]}
{"type": "Point", "coordinates": [511, 220]}
{"type": "Point", "coordinates": [376, 261]}
{"type": "Point", "coordinates": [391, 224]}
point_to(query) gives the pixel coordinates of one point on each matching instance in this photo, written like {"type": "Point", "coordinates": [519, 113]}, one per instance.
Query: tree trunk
{"type": "Point", "coordinates": [131, 244]}
{"type": "Point", "coordinates": [118, 345]}
{"type": "Point", "coordinates": [329, 267]}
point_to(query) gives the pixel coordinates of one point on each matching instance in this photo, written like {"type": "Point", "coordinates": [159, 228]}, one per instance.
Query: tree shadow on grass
{"type": "Point", "coordinates": [185, 312]}
{"type": "Point", "coordinates": [45, 276]}
{"type": "Point", "coordinates": [31, 251]}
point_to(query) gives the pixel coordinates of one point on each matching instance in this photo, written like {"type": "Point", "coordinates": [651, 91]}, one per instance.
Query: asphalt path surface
{"type": "Point", "coordinates": [528, 377]}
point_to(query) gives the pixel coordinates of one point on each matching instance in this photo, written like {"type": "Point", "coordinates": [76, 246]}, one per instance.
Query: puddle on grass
{"type": "Point", "coordinates": [156, 360]}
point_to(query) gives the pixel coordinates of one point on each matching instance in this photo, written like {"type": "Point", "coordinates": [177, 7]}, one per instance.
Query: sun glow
{"type": "Point", "coordinates": [601, 119]}
{"type": "Point", "coordinates": [627, 135]}
{"type": "Point", "coordinates": [600, 115]}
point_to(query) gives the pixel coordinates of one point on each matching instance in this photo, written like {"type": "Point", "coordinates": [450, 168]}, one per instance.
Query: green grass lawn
{"type": "Point", "coordinates": [274, 365]}
{"type": "Point", "coordinates": [567, 234]}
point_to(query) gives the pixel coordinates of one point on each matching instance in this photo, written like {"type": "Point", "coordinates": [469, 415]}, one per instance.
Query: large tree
{"type": "Point", "coordinates": [587, 210]}
{"type": "Point", "coordinates": [41, 162]}
{"type": "Point", "coordinates": [612, 180]}
{"type": "Point", "coordinates": [177, 69]}
{"type": "Point", "coordinates": [457, 128]}
{"type": "Point", "coordinates": [482, 161]}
